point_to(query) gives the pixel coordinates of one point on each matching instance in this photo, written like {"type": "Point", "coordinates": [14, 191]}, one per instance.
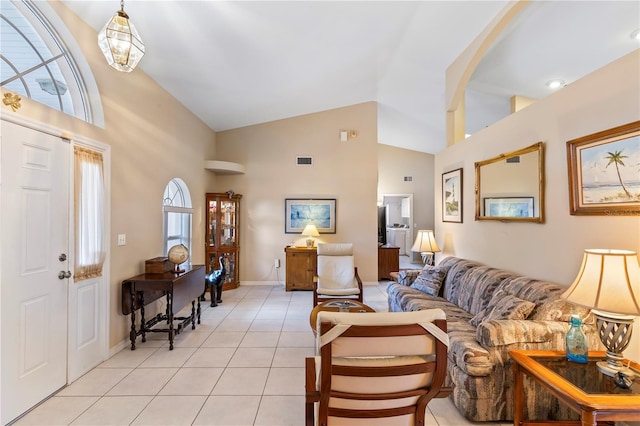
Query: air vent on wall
{"type": "Point", "coordinates": [408, 178]}
{"type": "Point", "coordinates": [513, 160]}
{"type": "Point", "coordinates": [304, 161]}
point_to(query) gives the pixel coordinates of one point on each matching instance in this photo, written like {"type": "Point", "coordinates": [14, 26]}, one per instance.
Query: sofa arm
{"type": "Point", "coordinates": [508, 332]}
{"type": "Point", "coordinates": [408, 276]}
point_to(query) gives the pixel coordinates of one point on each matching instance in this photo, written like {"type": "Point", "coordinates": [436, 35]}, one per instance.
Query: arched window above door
{"type": "Point", "coordinates": [41, 61]}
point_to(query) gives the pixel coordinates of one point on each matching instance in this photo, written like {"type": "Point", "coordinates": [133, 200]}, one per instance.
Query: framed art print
{"type": "Point", "coordinates": [452, 196]}
{"type": "Point", "coordinates": [299, 212]}
{"type": "Point", "coordinates": [604, 177]}
{"type": "Point", "coordinates": [508, 207]}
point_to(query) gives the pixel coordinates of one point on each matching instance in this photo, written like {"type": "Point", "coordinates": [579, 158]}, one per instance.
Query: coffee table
{"type": "Point", "coordinates": [582, 387]}
{"type": "Point", "coordinates": [340, 305]}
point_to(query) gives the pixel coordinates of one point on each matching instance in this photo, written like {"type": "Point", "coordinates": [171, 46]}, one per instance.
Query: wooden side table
{"type": "Point", "coordinates": [582, 387]}
{"type": "Point", "coordinates": [345, 305]}
{"type": "Point", "coordinates": [388, 261]}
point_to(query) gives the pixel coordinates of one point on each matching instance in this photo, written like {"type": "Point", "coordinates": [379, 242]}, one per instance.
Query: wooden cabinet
{"type": "Point", "coordinates": [222, 239]}
{"type": "Point", "coordinates": [388, 261]}
{"type": "Point", "coordinates": [302, 265]}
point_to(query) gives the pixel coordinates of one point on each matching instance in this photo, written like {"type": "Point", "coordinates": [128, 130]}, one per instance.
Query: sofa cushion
{"type": "Point", "coordinates": [430, 279]}
{"type": "Point", "coordinates": [504, 306]}
{"type": "Point", "coordinates": [477, 287]}
{"type": "Point", "coordinates": [407, 276]}
{"type": "Point", "coordinates": [549, 307]}
{"type": "Point", "coordinates": [457, 268]}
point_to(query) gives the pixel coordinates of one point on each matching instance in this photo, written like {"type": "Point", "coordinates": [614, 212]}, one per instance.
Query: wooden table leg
{"type": "Point", "coordinates": [143, 329]}
{"type": "Point", "coordinates": [588, 419]}
{"type": "Point", "coordinates": [198, 311]}
{"type": "Point", "coordinates": [132, 333]}
{"type": "Point", "coordinates": [193, 314]}
{"type": "Point", "coordinates": [170, 318]}
{"type": "Point", "coordinates": [518, 395]}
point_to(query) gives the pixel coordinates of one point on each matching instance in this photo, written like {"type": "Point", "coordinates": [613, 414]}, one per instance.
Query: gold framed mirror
{"type": "Point", "coordinates": [510, 187]}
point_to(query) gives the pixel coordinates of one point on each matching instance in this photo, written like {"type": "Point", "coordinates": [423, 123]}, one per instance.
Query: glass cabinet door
{"type": "Point", "coordinates": [228, 262]}
{"type": "Point", "coordinates": [212, 210]}
{"type": "Point", "coordinates": [221, 239]}
{"type": "Point", "coordinates": [228, 222]}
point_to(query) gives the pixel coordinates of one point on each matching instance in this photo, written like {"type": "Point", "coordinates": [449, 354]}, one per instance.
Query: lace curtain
{"type": "Point", "coordinates": [90, 245]}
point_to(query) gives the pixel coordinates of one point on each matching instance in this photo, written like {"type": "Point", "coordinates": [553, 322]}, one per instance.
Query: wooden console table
{"type": "Point", "coordinates": [582, 387]}
{"type": "Point", "coordinates": [179, 289]}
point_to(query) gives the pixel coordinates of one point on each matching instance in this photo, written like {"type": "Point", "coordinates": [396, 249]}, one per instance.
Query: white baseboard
{"type": "Point", "coordinates": [120, 346]}
{"type": "Point", "coordinates": [264, 283]}
{"type": "Point", "coordinates": [247, 283]}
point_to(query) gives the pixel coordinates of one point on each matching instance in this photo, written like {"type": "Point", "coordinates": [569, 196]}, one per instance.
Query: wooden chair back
{"type": "Point", "coordinates": [376, 368]}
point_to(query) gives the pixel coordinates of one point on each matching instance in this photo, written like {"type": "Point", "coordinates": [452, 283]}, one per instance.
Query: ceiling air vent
{"type": "Point", "coordinates": [304, 161]}
{"type": "Point", "coordinates": [513, 160]}
{"type": "Point", "coordinates": [408, 178]}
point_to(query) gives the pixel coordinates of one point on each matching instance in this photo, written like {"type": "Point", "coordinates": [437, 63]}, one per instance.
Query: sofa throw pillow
{"type": "Point", "coordinates": [406, 277]}
{"type": "Point", "coordinates": [504, 306]}
{"type": "Point", "coordinates": [430, 279]}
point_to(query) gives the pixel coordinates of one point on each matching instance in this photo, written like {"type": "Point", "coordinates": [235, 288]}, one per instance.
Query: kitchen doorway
{"type": "Point", "coordinates": [395, 225]}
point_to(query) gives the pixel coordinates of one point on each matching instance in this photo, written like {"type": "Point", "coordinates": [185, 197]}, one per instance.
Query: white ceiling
{"type": "Point", "coordinates": [237, 63]}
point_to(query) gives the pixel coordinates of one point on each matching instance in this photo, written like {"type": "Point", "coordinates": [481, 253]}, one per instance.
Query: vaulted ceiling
{"type": "Point", "coordinates": [237, 63]}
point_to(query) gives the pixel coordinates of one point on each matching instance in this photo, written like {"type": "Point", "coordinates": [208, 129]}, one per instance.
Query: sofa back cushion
{"type": "Point", "coordinates": [546, 296]}
{"type": "Point", "coordinates": [477, 287]}
{"type": "Point", "coordinates": [457, 268]}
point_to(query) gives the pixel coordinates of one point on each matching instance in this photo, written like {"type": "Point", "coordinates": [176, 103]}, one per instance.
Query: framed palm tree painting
{"type": "Point", "coordinates": [604, 172]}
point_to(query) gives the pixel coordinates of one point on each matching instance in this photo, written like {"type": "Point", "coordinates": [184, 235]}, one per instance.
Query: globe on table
{"type": "Point", "coordinates": [178, 254]}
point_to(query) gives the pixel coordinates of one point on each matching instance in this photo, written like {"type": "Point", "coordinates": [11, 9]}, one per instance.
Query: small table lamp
{"type": "Point", "coordinates": [609, 283]}
{"type": "Point", "coordinates": [426, 244]}
{"type": "Point", "coordinates": [310, 231]}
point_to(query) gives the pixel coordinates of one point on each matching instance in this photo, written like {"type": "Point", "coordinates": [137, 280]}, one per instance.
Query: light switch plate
{"type": "Point", "coordinates": [122, 239]}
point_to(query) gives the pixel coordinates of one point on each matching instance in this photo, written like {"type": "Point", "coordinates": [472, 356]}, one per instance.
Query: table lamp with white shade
{"type": "Point", "coordinates": [426, 244]}
{"type": "Point", "coordinates": [609, 283]}
{"type": "Point", "coordinates": [310, 231]}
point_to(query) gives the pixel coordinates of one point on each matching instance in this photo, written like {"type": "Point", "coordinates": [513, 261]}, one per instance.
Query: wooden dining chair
{"type": "Point", "coordinates": [376, 369]}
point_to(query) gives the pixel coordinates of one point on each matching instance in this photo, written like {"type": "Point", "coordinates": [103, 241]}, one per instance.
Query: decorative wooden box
{"type": "Point", "coordinates": [157, 265]}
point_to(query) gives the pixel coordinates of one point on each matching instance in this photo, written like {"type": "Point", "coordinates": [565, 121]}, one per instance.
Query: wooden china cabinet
{"type": "Point", "coordinates": [222, 237]}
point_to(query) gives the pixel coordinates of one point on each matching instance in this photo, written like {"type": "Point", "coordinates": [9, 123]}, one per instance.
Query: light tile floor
{"type": "Point", "coordinates": [244, 365]}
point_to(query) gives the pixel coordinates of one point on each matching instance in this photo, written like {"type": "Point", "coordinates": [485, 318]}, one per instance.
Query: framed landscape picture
{"type": "Point", "coordinates": [604, 172]}
{"type": "Point", "coordinates": [508, 207]}
{"type": "Point", "coordinates": [452, 196]}
{"type": "Point", "coordinates": [299, 212]}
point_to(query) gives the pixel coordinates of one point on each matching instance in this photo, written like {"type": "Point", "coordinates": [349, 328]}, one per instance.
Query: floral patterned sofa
{"type": "Point", "coordinates": [490, 312]}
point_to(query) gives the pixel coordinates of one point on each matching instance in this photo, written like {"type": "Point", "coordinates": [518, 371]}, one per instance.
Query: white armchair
{"type": "Point", "coordinates": [337, 275]}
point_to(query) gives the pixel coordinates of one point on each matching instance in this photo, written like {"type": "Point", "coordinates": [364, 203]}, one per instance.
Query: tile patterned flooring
{"type": "Point", "coordinates": [244, 365]}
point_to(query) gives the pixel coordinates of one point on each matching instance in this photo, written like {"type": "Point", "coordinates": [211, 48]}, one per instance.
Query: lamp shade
{"type": "Point", "coordinates": [120, 42]}
{"type": "Point", "coordinates": [608, 280]}
{"type": "Point", "coordinates": [425, 241]}
{"type": "Point", "coordinates": [310, 231]}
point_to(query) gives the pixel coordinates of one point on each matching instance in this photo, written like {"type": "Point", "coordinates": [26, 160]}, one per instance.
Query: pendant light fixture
{"type": "Point", "coordinates": [120, 42]}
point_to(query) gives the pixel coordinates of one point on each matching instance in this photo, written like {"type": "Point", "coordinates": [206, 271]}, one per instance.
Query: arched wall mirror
{"type": "Point", "coordinates": [510, 187]}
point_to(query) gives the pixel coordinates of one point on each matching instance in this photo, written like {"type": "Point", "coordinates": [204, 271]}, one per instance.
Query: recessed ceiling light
{"type": "Point", "coordinates": [555, 84]}
{"type": "Point", "coordinates": [636, 34]}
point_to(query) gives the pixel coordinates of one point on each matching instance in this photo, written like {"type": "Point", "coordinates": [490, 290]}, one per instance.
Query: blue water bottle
{"type": "Point", "coordinates": [576, 342]}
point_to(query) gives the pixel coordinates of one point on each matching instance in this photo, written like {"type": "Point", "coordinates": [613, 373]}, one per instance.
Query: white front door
{"type": "Point", "coordinates": [34, 269]}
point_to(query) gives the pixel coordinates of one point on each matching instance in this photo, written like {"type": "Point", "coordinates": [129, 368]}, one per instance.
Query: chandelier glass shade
{"type": "Point", "coordinates": [120, 42]}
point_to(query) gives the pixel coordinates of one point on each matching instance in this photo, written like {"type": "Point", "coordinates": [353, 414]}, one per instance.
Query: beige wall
{"type": "Point", "coordinates": [346, 171]}
{"type": "Point", "coordinates": [552, 251]}
{"type": "Point", "coordinates": [153, 139]}
{"type": "Point", "coordinates": [396, 163]}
